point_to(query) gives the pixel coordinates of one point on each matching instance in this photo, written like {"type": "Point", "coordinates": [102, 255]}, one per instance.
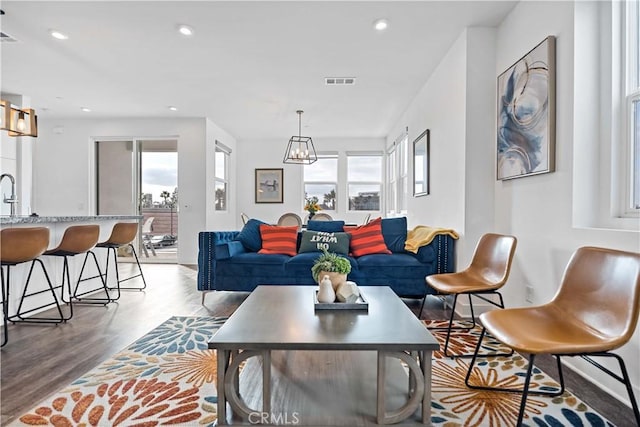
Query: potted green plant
{"type": "Point", "coordinates": [332, 265]}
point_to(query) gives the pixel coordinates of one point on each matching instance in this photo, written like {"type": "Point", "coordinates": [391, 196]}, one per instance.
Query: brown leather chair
{"type": "Point", "coordinates": [76, 240]}
{"type": "Point", "coordinates": [487, 273]}
{"type": "Point", "coordinates": [19, 245]}
{"type": "Point", "coordinates": [594, 312]}
{"type": "Point", "coordinates": [122, 234]}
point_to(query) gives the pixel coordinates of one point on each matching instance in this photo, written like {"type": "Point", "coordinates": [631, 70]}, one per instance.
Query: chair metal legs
{"type": "Point", "coordinates": [5, 308]}
{"type": "Point", "coordinates": [525, 390]}
{"type": "Point", "coordinates": [450, 326]}
{"type": "Point", "coordinates": [135, 255]}
{"type": "Point", "coordinates": [104, 277]}
{"type": "Point", "coordinates": [623, 379]}
{"type": "Point", "coordinates": [91, 300]}
{"type": "Point", "coordinates": [18, 317]}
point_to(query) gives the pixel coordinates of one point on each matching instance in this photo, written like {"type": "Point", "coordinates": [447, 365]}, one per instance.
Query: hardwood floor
{"type": "Point", "coordinates": [38, 360]}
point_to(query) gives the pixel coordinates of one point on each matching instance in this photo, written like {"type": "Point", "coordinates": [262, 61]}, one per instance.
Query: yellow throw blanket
{"type": "Point", "coordinates": [422, 235]}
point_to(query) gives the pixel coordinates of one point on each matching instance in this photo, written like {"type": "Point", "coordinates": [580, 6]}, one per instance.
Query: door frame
{"type": "Point", "coordinates": [136, 169]}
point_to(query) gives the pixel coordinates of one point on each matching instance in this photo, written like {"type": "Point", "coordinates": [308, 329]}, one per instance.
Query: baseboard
{"type": "Point", "coordinates": [624, 399]}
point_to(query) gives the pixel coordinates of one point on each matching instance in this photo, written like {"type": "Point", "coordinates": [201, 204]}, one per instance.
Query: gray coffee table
{"type": "Point", "coordinates": [283, 318]}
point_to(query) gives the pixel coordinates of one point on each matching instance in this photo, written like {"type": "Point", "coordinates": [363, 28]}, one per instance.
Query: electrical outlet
{"type": "Point", "coordinates": [529, 294]}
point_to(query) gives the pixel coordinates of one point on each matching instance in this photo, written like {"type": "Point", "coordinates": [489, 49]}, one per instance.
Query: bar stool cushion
{"type": "Point", "coordinates": [23, 244]}
{"type": "Point", "coordinates": [76, 239]}
{"type": "Point", "coordinates": [123, 233]}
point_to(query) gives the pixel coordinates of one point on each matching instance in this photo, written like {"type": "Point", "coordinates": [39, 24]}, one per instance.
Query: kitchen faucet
{"type": "Point", "coordinates": [11, 200]}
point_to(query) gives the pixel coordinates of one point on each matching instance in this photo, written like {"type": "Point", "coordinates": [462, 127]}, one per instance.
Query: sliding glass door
{"type": "Point", "coordinates": [139, 177]}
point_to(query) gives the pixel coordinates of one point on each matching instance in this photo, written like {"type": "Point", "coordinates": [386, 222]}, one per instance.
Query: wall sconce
{"type": "Point", "coordinates": [18, 122]}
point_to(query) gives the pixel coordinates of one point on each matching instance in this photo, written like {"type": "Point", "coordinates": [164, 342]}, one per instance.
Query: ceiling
{"type": "Point", "coordinates": [248, 67]}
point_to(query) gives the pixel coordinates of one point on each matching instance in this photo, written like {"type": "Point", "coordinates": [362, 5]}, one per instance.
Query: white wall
{"type": "Point", "coordinates": [538, 209]}
{"type": "Point", "coordinates": [8, 164]}
{"type": "Point", "coordinates": [221, 220]}
{"type": "Point", "coordinates": [458, 104]}
{"type": "Point", "coordinates": [440, 107]}
{"type": "Point", "coordinates": [63, 168]}
{"type": "Point", "coordinates": [267, 154]}
{"type": "Point", "coordinates": [15, 159]}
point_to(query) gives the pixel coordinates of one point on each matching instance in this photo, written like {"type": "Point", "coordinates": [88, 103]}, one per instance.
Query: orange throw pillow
{"type": "Point", "coordinates": [278, 240]}
{"type": "Point", "coordinates": [367, 239]}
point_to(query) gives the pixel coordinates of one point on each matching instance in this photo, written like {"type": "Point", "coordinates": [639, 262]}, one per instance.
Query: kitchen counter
{"type": "Point", "coordinates": [54, 265]}
{"type": "Point", "coordinates": [28, 219]}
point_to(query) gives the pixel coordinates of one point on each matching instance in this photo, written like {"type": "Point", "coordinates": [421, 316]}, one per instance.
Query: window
{"type": "Point", "coordinates": [364, 181]}
{"type": "Point", "coordinates": [221, 170]}
{"type": "Point", "coordinates": [397, 178]}
{"type": "Point", "coordinates": [321, 181]}
{"type": "Point", "coordinates": [632, 103]}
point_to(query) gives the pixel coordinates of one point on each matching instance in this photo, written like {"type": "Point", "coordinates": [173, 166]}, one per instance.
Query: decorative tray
{"type": "Point", "coordinates": [360, 304]}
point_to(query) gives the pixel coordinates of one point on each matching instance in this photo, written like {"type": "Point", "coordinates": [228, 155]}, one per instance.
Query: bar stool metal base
{"type": "Point", "coordinates": [92, 300]}
{"type": "Point", "coordinates": [114, 248]}
{"type": "Point", "coordinates": [111, 250]}
{"type": "Point", "coordinates": [18, 317]}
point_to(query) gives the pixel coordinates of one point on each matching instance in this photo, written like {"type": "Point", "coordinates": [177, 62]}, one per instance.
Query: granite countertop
{"type": "Point", "coordinates": [28, 219]}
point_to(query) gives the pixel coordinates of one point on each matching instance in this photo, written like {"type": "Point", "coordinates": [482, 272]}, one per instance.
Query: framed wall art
{"type": "Point", "coordinates": [526, 114]}
{"type": "Point", "coordinates": [269, 185]}
{"type": "Point", "coordinates": [421, 164]}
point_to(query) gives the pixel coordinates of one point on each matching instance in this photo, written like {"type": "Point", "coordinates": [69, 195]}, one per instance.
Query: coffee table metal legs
{"type": "Point", "coordinates": [229, 363]}
{"type": "Point", "coordinates": [419, 387]}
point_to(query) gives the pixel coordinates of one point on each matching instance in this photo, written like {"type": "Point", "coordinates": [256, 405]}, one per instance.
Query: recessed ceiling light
{"type": "Point", "coordinates": [185, 30]}
{"type": "Point", "coordinates": [86, 109]}
{"type": "Point", "coordinates": [172, 108]}
{"type": "Point", "coordinates": [58, 35]}
{"type": "Point", "coordinates": [381, 24]}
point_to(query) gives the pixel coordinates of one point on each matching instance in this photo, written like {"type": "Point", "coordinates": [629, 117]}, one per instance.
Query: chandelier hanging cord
{"type": "Point", "coordinates": [299, 122]}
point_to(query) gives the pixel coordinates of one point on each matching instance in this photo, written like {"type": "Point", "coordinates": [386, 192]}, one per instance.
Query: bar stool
{"type": "Point", "coordinates": [123, 234]}
{"type": "Point", "coordinates": [77, 239]}
{"type": "Point", "coordinates": [19, 245]}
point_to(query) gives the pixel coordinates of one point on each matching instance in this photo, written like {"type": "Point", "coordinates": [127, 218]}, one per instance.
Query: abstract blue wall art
{"type": "Point", "coordinates": [526, 114]}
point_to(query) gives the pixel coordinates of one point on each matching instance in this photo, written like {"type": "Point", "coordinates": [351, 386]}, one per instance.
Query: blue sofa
{"type": "Point", "coordinates": [226, 264]}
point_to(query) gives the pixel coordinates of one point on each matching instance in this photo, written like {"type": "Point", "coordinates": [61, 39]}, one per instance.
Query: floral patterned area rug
{"type": "Point", "coordinates": [167, 377]}
{"type": "Point", "coordinates": [454, 404]}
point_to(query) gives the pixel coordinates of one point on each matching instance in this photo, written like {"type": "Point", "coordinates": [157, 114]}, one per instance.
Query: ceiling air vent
{"type": "Point", "coordinates": [339, 81]}
{"type": "Point", "coordinates": [6, 38]}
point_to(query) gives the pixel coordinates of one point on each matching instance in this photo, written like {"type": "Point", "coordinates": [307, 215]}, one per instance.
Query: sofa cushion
{"type": "Point", "coordinates": [403, 272]}
{"type": "Point", "coordinates": [249, 236]}
{"type": "Point", "coordinates": [228, 249]}
{"type": "Point", "coordinates": [278, 239]}
{"type": "Point", "coordinates": [394, 231]}
{"type": "Point", "coordinates": [252, 267]}
{"type": "Point", "coordinates": [316, 241]}
{"type": "Point", "coordinates": [367, 239]}
{"type": "Point", "coordinates": [327, 226]}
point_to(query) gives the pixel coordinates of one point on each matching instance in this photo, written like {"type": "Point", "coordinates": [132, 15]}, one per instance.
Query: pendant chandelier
{"type": "Point", "coordinates": [300, 149]}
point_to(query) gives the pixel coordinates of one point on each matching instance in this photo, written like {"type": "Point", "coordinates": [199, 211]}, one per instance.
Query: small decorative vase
{"type": "Point", "coordinates": [337, 279]}
{"type": "Point", "coordinates": [311, 214]}
{"type": "Point", "coordinates": [326, 293]}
